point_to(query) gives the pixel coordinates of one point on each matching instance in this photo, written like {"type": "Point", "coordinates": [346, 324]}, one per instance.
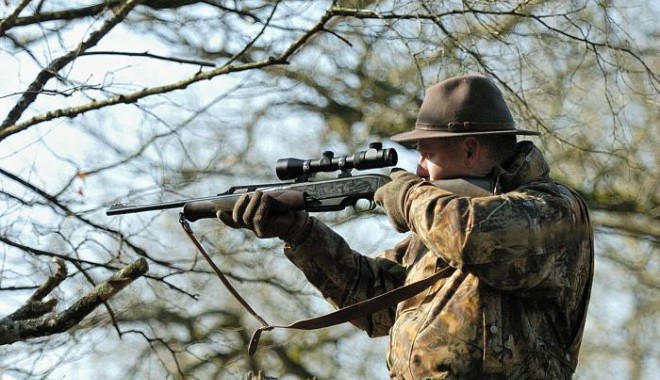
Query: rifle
{"type": "Point", "coordinates": [299, 191]}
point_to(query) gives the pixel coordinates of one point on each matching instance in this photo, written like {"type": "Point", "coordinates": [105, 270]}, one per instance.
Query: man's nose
{"type": "Point", "coordinates": [422, 171]}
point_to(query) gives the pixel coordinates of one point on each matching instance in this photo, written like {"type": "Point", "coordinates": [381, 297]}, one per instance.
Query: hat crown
{"type": "Point", "coordinates": [471, 100]}
{"type": "Point", "coordinates": [467, 105]}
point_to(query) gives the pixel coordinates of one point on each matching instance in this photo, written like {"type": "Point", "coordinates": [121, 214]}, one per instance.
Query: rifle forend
{"type": "Point", "coordinates": [301, 194]}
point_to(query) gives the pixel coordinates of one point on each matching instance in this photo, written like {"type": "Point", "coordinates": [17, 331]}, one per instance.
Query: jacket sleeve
{"type": "Point", "coordinates": [344, 276]}
{"type": "Point", "coordinates": [512, 241]}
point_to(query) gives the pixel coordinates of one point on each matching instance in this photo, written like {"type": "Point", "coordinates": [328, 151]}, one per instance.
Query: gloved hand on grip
{"type": "Point", "coordinates": [255, 212]}
{"type": "Point", "coordinates": [392, 197]}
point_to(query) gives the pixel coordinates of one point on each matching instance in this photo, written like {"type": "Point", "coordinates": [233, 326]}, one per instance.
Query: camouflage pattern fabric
{"type": "Point", "coordinates": [513, 302]}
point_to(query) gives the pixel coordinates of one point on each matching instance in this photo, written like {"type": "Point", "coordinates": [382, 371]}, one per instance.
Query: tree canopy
{"type": "Point", "coordinates": [161, 100]}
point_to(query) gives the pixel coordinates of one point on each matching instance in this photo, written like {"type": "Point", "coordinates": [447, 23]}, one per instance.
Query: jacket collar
{"type": "Point", "coordinates": [527, 165]}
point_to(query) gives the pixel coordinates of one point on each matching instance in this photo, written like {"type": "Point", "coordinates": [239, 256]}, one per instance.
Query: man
{"type": "Point", "coordinates": [513, 248]}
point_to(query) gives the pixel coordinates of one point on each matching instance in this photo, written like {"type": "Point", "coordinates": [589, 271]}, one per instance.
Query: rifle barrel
{"type": "Point", "coordinates": [119, 209]}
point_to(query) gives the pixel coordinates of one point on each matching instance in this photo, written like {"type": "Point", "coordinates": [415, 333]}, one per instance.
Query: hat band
{"type": "Point", "coordinates": [463, 126]}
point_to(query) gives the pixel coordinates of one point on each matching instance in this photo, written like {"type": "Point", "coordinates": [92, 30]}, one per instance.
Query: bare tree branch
{"type": "Point", "coordinates": [25, 324]}
{"type": "Point", "coordinates": [10, 20]}
{"type": "Point", "coordinates": [34, 307]}
{"type": "Point", "coordinates": [436, 16]}
{"type": "Point", "coordinates": [8, 127]}
{"type": "Point", "coordinates": [56, 65]}
{"type": "Point", "coordinates": [92, 10]}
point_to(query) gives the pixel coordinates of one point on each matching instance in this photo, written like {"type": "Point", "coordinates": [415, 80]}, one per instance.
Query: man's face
{"type": "Point", "coordinates": [441, 158]}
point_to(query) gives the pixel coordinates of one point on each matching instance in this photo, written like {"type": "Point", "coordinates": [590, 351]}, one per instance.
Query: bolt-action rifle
{"type": "Point", "coordinates": [298, 191]}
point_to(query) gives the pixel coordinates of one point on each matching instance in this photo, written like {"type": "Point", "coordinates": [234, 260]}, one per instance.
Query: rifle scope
{"type": "Point", "coordinates": [372, 158]}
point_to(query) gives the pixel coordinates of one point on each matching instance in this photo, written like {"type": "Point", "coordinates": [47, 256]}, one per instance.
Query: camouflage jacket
{"type": "Point", "coordinates": [512, 303]}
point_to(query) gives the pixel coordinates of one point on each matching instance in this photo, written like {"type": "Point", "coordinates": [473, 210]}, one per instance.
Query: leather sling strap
{"type": "Point", "coordinates": [345, 314]}
{"type": "Point", "coordinates": [353, 311]}
{"type": "Point", "coordinates": [186, 227]}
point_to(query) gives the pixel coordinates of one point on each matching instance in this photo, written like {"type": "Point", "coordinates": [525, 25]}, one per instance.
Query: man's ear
{"type": "Point", "coordinates": [471, 151]}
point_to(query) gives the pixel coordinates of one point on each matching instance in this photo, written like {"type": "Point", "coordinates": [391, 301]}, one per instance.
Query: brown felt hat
{"type": "Point", "coordinates": [462, 106]}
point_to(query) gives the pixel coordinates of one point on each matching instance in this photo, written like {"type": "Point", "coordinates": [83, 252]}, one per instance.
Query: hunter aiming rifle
{"type": "Point", "coordinates": [299, 192]}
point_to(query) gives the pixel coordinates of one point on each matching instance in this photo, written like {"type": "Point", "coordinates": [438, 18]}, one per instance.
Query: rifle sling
{"type": "Point", "coordinates": [345, 314]}
{"type": "Point", "coordinates": [186, 227]}
{"type": "Point", "coordinates": [353, 311]}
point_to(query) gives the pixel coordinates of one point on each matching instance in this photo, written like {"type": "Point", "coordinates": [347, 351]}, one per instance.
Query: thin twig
{"type": "Point", "coordinates": [151, 55]}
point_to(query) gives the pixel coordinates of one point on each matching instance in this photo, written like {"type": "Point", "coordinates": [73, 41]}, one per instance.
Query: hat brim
{"type": "Point", "coordinates": [410, 137]}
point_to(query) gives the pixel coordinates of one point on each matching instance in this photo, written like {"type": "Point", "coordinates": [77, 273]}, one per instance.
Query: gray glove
{"type": "Point", "coordinates": [254, 212]}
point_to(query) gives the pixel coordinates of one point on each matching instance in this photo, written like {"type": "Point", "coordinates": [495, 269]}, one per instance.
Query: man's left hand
{"type": "Point", "coordinates": [392, 197]}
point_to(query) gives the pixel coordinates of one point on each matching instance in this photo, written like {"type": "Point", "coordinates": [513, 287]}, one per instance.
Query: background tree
{"type": "Point", "coordinates": [160, 100]}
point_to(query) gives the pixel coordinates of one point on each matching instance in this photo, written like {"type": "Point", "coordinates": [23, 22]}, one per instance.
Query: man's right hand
{"type": "Point", "coordinates": [255, 212]}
